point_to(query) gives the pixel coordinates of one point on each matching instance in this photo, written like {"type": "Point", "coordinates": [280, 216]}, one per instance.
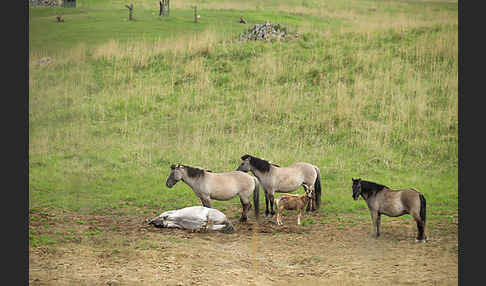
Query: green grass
{"type": "Point", "coordinates": [88, 27]}
{"type": "Point", "coordinates": [36, 239]}
{"type": "Point", "coordinates": [360, 93]}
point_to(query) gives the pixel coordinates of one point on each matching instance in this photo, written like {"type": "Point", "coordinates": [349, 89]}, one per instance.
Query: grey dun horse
{"type": "Point", "coordinates": [383, 200]}
{"type": "Point", "coordinates": [218, 186]}
{"type": "Point", "coordinates": [274, 178]}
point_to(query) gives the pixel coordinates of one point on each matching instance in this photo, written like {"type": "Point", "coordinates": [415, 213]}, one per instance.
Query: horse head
{"type": "Point", "coordinates": [356, 188]}
{"type": "Point", "coordinates": [245, 165]}
{"type": "Point", "coordinates": [250, 163]}
{"type": "Point", "coordinates": [176, 172]}
{"type": "Point", "coordinates": [308, 194]}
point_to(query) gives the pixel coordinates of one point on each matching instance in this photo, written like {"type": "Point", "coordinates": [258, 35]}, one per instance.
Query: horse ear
{"type": "Point", "coordinates": [172, 166]}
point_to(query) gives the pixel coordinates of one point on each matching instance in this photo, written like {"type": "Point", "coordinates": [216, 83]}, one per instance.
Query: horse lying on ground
{"type": "Point", "coordinates": [292, 202]}
{"type": "Point", "coordinates": [383, 200]}
{"type": "Point", "coordinates": [194, 218]}
{"type": "Point", "coordinates": [218, 186]}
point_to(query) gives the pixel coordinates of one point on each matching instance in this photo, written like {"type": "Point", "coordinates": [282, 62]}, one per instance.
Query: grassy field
{"type": "Point", "coordinates": [362, 89]}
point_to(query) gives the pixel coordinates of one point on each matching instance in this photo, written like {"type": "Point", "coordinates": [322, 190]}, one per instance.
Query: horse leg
{"type": "Point", "coordinates": [314, 198]}
{"type": "Point", "coordinates": [206, 202]}
{"type": "Point", "coordinates": [376, 218]}
{"type": "Point", "coordinates": [246, 207]}
{"type": "Point", "coordinates": [421, 237]}
{"type": "Point", "coordinates": [280, 209]}
{"type": "Point", "coordinates": [266, 203]}
{"type": "Point", "coordinates": [309, 204]}
{"type": "Point", "coordinates": [421, 233]}
{"type": "Point", "coordinates": [271, 199]}
{"type": "Point", "coordinates": [312, 202]}
{"type": "Point", "coordinates": [378, 224]}
{"type": "Point", "coordinates": [279, 218]}
{"type": "Point", "coordinates": [298, 216]}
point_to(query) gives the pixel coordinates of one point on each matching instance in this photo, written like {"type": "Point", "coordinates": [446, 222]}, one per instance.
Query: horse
{"type": "Point", "coordinates": [194, 218]}
{"type": "Point", "coordinates": [274, 178]}
{"type": "Point", "coordinates": [393, 203]}
{"type": "Point", "coordinates": [292, 202]}
{"type": "Point", "coordinates": [208, 186]}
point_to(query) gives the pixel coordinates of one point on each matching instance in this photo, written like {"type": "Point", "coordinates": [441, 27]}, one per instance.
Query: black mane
{"type": "Point", "coordinates": [193, 172]}
{"type": "Point", "coordinates": [371, 187]}
{"type": "Point", "coordinates": [260, 164]}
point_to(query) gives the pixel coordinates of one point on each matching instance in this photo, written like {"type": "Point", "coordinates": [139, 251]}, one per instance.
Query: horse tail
{"type": "Point", "coordinates": [256, 197]}
{"type": "Point", "coordinates": [423, 205]}
{"type": "Point", "coordinates": [317, 188]}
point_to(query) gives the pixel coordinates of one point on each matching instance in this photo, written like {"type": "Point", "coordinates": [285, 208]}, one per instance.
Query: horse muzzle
{"type": "Point", "coordinates": [170, 184]}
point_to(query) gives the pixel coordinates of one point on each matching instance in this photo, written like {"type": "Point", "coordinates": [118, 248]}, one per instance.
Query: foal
{"type": "Point", "coordinates": [293, 202]}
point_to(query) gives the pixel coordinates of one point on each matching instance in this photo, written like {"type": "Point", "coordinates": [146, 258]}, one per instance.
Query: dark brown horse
{"type": "Point", "coordinates": [393, 203]}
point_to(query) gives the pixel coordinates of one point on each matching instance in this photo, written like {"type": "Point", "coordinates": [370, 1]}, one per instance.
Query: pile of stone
{"type": "Point", "coordinates": [264, 32]}
{"type": "Point", "coordinates": [47, 3]}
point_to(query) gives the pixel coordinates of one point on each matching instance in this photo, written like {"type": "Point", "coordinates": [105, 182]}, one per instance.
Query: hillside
{"type": "Point", "coordinates": [363, 89]}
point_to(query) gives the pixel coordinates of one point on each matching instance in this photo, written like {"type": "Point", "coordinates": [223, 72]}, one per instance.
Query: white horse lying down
{"type": "Point", "coordinates": [194, 218]}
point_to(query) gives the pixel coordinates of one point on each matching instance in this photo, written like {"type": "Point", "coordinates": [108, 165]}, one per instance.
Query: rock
{"type": "Point", "coordinates": [265, 32]}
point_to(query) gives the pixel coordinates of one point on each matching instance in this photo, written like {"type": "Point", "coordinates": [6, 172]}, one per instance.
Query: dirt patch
{"type": "Point", "coordinates": [124, 250]}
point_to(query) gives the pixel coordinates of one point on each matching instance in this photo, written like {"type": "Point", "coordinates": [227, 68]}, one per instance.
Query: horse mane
{"type": "Point", "coordinates": [371, 187]}
{"type": "Point", "coordinates": [259, 164]}
{"type": "Point", "coordinates": [194, 172]}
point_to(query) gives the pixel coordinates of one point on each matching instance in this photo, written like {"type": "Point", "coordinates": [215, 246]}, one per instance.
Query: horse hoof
{"type": "Point", "coordinates": [420, 240]}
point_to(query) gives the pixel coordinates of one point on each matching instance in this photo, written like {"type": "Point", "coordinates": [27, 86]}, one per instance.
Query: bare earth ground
{"type": "Point", "coordinates": [124, 250]}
